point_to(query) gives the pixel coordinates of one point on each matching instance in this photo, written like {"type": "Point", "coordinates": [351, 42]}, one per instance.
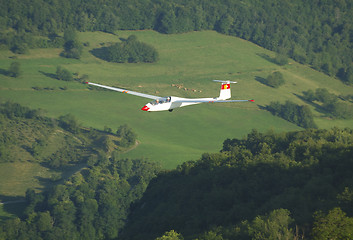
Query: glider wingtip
{"type": "Point", "coordinates": [252, 100]}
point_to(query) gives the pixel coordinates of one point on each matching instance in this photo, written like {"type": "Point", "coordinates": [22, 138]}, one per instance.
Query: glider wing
{"type": "Point", "coordinates": [124, 91]}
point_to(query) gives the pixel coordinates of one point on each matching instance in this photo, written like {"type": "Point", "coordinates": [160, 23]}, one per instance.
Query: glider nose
{"type": "Point", "coordinates": [145, 108]}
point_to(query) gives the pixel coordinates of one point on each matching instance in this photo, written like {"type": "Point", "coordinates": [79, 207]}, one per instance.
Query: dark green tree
{"type": "Point", "coordinates": [281, 58]}
{"type": "Point", "coordinates": [275, 80]}
{"type": "Point", "coordinates": [69, 123]}
{"type": "Point", "coordinates": [166, 22]}
{"type": "Point", "coordinates": [72, 46]}
{"type": "Point", "coordinates": [127, 135]}
{"type": "Point", "coordinates": [132, 51]}
{"type": "Point", "coordinates": [15, 69]}
{"type": "Point", "coordinates": [63, 74]}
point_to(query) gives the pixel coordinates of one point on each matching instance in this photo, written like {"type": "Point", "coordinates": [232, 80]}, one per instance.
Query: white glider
{"type": "Point", "coordinates": [171, 102]}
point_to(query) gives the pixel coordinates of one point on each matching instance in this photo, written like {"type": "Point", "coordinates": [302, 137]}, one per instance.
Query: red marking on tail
{"type": "Point", "coordinates": [226, 86]}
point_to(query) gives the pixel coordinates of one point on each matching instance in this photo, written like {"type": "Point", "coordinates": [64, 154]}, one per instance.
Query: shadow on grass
{"type": "Point", "coordinates": [261, 80]}
{"type": "Point", "coordinates": [266, 57]}
{"type": "Point", "coordinates": [50, 75]}
{"type": "Point", "coordinates": [317, 107]}
{"type": "Point", "coordinates": [11, 206]}
{"type": "Point", "coordinates": [4, 72]}
{"type": "Point", "coordinates": [100, 53]}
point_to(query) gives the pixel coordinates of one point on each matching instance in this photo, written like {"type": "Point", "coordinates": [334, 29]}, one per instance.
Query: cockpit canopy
{"type": "Point", "coordinates": [161, 100]}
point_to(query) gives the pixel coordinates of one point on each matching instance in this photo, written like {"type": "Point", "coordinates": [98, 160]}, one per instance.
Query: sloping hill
{"type": "Point", "coordinates": [190, 60]}
{"type": "Point", "coordinates": [37, 152]}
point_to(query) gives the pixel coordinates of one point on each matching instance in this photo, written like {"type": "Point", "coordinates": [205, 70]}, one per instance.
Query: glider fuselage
{"type": "Point", "coordinates": [171, 102]}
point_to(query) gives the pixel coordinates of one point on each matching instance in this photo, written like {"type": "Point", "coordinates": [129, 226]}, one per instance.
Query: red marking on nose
{"type": "Point", "coordinates": [145, 108]}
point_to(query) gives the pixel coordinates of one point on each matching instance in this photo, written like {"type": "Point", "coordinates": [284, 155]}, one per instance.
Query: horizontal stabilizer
{"type": "Point", "coordinates": [224, 81]}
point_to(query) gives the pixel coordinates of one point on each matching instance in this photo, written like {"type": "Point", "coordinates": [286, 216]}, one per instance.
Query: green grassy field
{"type": "Point", "coordinates": [192, 60]}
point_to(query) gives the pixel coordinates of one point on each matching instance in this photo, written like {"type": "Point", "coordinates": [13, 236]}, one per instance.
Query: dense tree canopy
{"type": "Point", "coordinates": [299, 115]}
{"type": "Point", "coordinates": [335, 106]}
{"type": "Point", "coordinates": [265, 186]}
{"type": "Point", "coordinates": [72, 47]}
{"type": "Point", "coordinates": [92, 204]}
{"type": "Point", "coordinates": [131, 50]}
{"type": "Point", "coordinates": [318, 33]}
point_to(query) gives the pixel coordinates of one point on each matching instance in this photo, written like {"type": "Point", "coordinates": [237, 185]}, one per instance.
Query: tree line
{"type": "Point", "coordinates": [300, 115]}
{"type": "Point", "coordinates": [318, 33]}
{"type": "Point", "coordinates": [294, 185]}
{"type": "Point", "coordinates": [339, 107]}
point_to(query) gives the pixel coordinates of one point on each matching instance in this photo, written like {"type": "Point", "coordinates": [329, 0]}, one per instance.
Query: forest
{"type": "Point", "coordinates": [264, 186]}
{"type": "Point", "coordinates": [294, 185]}
{"type": "Point", "coordinates": [318, 33]}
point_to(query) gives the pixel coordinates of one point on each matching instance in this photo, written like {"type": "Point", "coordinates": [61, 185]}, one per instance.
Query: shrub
{"type": "Point", "coordinates": [63, 74]}
{"type": "Point", "coordinates": [275, 80]}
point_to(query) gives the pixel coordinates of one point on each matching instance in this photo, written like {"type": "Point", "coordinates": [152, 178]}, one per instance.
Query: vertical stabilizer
{"type": "Point", "coordinates": [225, 89]}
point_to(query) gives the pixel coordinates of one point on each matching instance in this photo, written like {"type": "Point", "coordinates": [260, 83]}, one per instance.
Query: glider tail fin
{"type": "Point", "coordinates": [225, 89]}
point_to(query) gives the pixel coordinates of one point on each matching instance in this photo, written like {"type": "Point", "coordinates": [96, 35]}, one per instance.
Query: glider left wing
{"type": "Point", "coordinates": [124, 91]}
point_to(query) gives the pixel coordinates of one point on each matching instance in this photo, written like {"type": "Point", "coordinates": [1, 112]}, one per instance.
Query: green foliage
{"type": "Point", "coordinates": [281, 58]}
{"type": "Point", "coordinates": [28, 136]}
{"type": "Point", "coordinates": [334, 225]}
{"type": "Point", "coordinates": [323, 95]}
{"type": "Point", "coordinates": [63, 74]}
{"type": "Point", "coordinates": [20, 48]}
{"type": "Point", "coordinates": [348, 75]}
{"type": "Point", "coordinates": [330, 103]}
{"type": "Point", "coordinates": [14, 110]}
{"type": "Point", "coordinates": [93, 204]}
{"type": "Point", "coordinates": [15, 69]}
{"type": "Point", "coordinates": [258, 187]}
{"type": "Point", "coordinates": [69, 123]}
{"type": "Point", "coordinates": [274, 80]}
{"type": "Point", "coordinates": [131, 51]}
{"type": "Point", "coordinates": [273, 226]}
{"type": "Point", "coordinates": [299, 115]}
{"type": "Point", "coordinates": [171, 235]}
{"type": "Point", "coordinates": [72, 47]}
{"type": "Point", "coordinates": [127, 135]}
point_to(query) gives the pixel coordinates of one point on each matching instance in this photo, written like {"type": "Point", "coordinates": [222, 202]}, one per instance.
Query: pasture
{"type": "Point", "coordinates": [190, 60]}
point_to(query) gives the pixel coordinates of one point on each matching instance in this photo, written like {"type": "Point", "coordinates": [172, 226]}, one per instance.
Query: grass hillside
{"type": "Point", "coordinates": [191, 60]}
{"type": "Point", "coordinates": [38, 152]}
